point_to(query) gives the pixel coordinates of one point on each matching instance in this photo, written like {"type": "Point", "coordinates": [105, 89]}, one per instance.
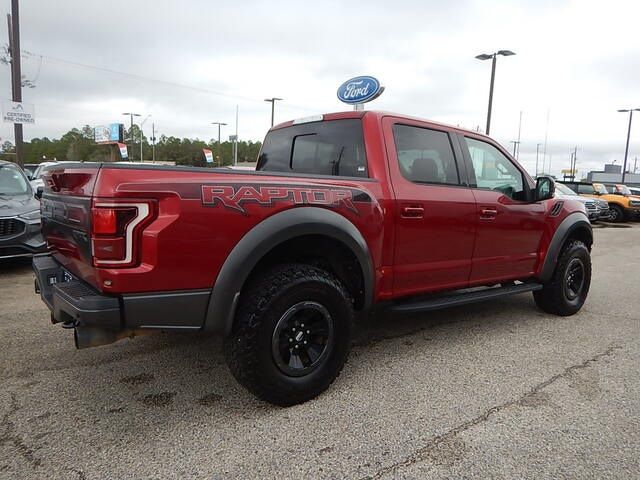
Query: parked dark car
{"type": "Point", "coordinates": [20, 234]}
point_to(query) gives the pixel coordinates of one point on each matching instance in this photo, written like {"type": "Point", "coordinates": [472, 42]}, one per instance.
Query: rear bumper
{"type": "Point", "coordinates": [99, 319]}
{"type": "Point", "coordinates": [25, 243]}
{"type": "Point", "coordinates": [76, 305]}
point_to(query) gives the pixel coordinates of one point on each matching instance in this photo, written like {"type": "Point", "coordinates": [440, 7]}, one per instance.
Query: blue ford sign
{"type": "Point", "coordinates": [359, 90]}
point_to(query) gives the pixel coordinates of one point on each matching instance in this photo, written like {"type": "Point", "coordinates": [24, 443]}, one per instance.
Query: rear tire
{"type": "Point", "coordinates": [567, 290]}
{"type": "Point", "coordinates": [292, 334]}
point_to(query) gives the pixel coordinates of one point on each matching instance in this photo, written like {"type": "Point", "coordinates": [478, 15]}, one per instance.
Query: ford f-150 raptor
{"type": "Point", "coordinates": [345, 212]}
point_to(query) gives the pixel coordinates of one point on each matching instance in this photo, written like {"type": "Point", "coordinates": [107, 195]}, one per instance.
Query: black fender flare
{"type": "Point", "coordinates": [573, 222]}
{"type": "Point", "coordinates": [266, 235]}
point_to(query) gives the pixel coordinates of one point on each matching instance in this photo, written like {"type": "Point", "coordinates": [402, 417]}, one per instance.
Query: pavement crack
{"type": "Point", "coordinates": [9, 435]}
{"type": "Point", "coordinates": [423, 453]}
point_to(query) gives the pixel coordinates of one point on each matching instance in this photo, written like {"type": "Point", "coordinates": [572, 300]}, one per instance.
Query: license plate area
{"type": "Point", "coordinates": [63, 277]}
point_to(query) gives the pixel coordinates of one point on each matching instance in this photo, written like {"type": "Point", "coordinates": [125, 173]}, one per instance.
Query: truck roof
{"type": "Point", "coordinates": [375, 113]}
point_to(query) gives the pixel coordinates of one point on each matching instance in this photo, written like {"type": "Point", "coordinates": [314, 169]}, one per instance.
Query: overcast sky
{"type": "Point", "coordinates": [190, 62]}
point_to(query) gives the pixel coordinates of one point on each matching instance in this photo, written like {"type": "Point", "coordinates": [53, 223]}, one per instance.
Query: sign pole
{"type": "Point", "coordinates": [16, 74]}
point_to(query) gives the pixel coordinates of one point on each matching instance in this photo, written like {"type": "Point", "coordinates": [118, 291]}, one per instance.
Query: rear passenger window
{"type": "Point", "coordinates": [425, 156]}
{"type": "Point", "coordinates": [334, 147]}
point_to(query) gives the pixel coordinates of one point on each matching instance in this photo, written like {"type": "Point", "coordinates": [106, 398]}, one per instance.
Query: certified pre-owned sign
{"type": "Point", "coordinates": [360, 90]}
{"type": "Point", "coordinates": [18, 112]}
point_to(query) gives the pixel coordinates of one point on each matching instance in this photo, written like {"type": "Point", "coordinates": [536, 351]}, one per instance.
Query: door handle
{"type": "Point", "coordinates": [488, 213]}
{"type": "Point", "coordinates": [412, 212]}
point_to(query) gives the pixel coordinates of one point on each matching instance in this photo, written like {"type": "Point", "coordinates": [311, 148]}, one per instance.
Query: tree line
{"type": "Point", "coordinates": [78, 145]}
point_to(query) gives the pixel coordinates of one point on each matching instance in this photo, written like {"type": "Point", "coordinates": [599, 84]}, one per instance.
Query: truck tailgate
{"type": "Point", "coordinates": [66, 216]}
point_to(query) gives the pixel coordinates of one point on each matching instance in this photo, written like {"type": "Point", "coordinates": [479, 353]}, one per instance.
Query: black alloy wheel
{"type": "Point", "coordinates": [302, 338]}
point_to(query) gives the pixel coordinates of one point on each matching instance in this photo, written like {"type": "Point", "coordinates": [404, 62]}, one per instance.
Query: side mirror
{"type": "Point", "coordinates": [545, 188]}
{"type": "Point", "coordinates": [38, 193]}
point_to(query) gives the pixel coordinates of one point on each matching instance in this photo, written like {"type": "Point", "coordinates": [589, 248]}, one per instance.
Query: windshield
{"type": "Point", "coordinates": [564, 189]}
{"type": "Point", "coordinates": [623, 189]}
{"type": "Point", "coordinates": [12, 181]}
{"type": "Point", "coordinates": [599, 188]}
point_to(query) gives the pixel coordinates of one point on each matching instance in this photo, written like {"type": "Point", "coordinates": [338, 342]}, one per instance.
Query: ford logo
{"type": "Point", "coordinates": [359, 90]}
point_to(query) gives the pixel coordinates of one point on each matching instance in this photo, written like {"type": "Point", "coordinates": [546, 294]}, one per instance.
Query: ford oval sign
{"type": "Point", "coordinates": [359, 90]}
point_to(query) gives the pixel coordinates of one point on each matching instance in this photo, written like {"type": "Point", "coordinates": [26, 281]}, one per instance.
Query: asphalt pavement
{"type": "Point", "coordinates": [494, 390]}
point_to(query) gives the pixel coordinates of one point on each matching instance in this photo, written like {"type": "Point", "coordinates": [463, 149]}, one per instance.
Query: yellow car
{"type": "Point", "coordinates": [622, 206]}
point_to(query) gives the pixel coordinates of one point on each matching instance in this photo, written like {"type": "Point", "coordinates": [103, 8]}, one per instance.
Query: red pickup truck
{"type": "Point", "coordinates": [346, 212]}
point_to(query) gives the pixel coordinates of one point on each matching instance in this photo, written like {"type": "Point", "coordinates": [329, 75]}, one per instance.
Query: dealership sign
{"type": "Point", "coordinates": [123, 151]}
{"type": "Point", "coordinates": [18, 112]}
{"type": "Point", "coordinates": [360, 90]}
{"type": "Point", "coordinates": [208, 155]}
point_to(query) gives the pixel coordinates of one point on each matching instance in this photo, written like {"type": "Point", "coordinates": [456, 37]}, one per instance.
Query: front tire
{"type": "Point", "coordinates": [567, 290]}
{"type": "Point", "coordinates": [617, 214]}
{"type": "Point", "coordinates": [292, 334]}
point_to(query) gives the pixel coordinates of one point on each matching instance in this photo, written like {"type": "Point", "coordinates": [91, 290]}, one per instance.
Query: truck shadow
{"type": "Point", "coordinates": [162, 382]}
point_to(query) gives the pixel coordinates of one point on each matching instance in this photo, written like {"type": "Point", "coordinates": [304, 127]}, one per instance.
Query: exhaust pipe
{"type": "Point", "coordinates": [86, 337]}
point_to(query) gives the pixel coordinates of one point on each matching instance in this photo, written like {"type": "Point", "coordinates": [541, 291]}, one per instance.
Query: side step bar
{"type": "Point", "coordinates": [457, 298]}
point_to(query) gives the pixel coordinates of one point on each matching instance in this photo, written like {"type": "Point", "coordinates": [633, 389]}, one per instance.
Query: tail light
{"type": "Point", "coordinates": [115, 232]}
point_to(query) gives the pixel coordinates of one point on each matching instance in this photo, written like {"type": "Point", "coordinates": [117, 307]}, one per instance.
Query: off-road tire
{"type": "Point", "coordinates": [617, 214]}
{"type": "Point", "coordinates": [554, 297]}
{"type": "Point", "coordinates": [264, 303]}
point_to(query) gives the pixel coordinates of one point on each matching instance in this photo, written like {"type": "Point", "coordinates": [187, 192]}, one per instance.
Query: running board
{"type": "Point", "coordinates": [463, 298]}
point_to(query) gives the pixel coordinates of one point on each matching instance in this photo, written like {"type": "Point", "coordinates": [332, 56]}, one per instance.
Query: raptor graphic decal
{"type": "Point", "coordinates": [235, 196]}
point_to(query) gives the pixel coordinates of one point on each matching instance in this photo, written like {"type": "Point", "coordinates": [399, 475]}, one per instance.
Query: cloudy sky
{"type": "Point", "coordinates": [190, 62]}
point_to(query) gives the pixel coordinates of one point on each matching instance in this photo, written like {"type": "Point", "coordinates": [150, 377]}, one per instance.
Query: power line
{"type": "Point", "coordinates": [150, 79]}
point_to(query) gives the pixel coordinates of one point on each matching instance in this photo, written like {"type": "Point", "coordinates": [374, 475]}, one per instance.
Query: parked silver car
{"type": "Point", "coordinates": [596, 208]}
{"type": "Point", "coordinates": [20, 234]}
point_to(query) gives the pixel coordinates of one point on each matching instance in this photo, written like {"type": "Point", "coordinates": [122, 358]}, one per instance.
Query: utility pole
{"type": "Point", "coordinates": [575, 162]}
{"type": "Point", "coordinates": [13, 21]}
{"type": "Point", "coordinates": [515, 146]}
{"type": "Point", "coordinates": [235, 150]}
{"type": "Point", "coordinates": [153, 142]}
{"type": "Point", "coordinates": [517, 155]}
{"type": "Point", "coordinates": [273, 101]}
{"type": "Point", "coordinates": [219, 144]}
{"type": "Point", "coordinates": [131, 115]}
{"type": "Point", "coordinates": [537, 153]}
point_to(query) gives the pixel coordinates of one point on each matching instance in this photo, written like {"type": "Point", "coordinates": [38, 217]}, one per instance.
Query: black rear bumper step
{"type": "Point", "coordinates": [455, 299]}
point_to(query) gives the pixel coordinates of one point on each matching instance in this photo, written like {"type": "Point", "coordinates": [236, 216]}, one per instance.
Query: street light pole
{"type": "Point", "coordinates": [219, 144]}
{"type": "Point", "coordinates": [537, 153]}
{"type": "Point", "coordinates": [626, 149]}
{"type": "Point", "coordinates": [273, 101]}
{"type": "Point", "coordinates": [492, 56]}
{"type": "Point", "coordinates": [131, 115]}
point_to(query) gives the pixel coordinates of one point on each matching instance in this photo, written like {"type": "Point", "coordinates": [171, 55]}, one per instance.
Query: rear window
{"type": "Point", "coordinates": [333, 147]}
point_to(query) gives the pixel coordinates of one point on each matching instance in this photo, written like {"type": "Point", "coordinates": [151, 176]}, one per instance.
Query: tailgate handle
{"type": "Point", "coordinates": [412, 211]}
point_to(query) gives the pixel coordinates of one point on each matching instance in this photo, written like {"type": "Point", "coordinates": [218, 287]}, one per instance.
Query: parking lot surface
{"type": "Point", "coordinates": [497, 390]}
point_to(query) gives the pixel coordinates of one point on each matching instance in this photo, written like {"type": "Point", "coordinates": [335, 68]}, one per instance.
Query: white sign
{"type": "Point", "coordinates": [18, 112]}
{"type": "Point", "coordinates": [102, 133]}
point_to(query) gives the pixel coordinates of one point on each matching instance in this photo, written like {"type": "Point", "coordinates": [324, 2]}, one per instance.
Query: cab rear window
{"type": "Point", "coordinates": [334, 147]}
